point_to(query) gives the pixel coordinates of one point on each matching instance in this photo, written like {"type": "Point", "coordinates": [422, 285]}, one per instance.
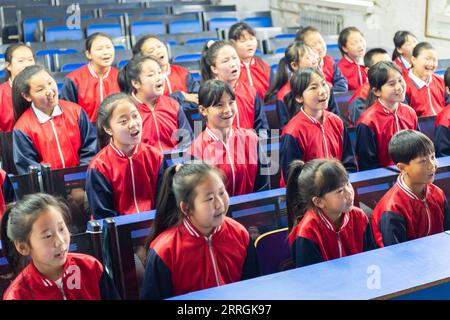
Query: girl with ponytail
{"type": "Point", "coordinates": [193, 245]}
{"type": "Point", "coordinates": [323, 223]}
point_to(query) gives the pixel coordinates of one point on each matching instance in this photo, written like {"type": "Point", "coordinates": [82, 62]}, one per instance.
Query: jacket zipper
{"type": "Point", "coordinates": [57, 143]}
{"type": "Point", "coordinates": [428, 216]}
{"type": "Point", "coordinates": [339, 244]}
{"type": "Point", "coordinates": [134, 184]}
{"type": "Point", "coordinates": [157, 130]}
{"type": "Point", "coordinates": [208, 240]}
{"type": "Point", "coordinates": [429, 99]}
{"type": "Point", "coordinates": [325, 141]}
{"type": "Point", "coordinates": [247, 67]}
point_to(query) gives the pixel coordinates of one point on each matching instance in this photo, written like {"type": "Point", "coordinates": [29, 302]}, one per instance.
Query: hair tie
{"type": "Point", "coordinates": [178, 167]}
{"type": "Point", "coordinates": [210, 43]}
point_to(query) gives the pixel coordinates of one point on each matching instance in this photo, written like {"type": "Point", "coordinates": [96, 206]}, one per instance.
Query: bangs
{"type": "Point", "coordinates": [211, 92]}
{"type": "Point", "coordinates": [408, 145]}
{"type": "Point", "coordinates": [330, 176]}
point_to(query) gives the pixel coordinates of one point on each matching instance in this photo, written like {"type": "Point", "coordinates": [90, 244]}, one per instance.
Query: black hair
{"type": "Point", "coordinates": [447, 78]}
{"type": "Point", "coordinates": [90, 40]}
{"type": "Point", "coordinates": [237, 29]}
{"type": "Point", "coordinates": [378, 76]}
{"type": "Point", "coordinates": [21, 86]}
{"type": "Point", "coordinates": [132, 71]}
{"type": "Point", "coordinates": [211, 91]}
{"type": "Point", "coordinates": [306, 181]}
{"type": "Point", "coordinates": [137, 48]}
{"type": "Point", "coordinates": [368, 57]}
{"type": "Point", "coordinates": [209, 56]}
{"type": "Point", "coordinates": [9, 52]}
{"type": "Point", "coordinates": [343, 38]}
{"type": "Point", "coordinates": [407, 145]}
{"type": "Point", "coordinates": [400, 39]}
{"type": "Point", "coordinates": [293, 53]}
{"type": "Point", "coordinates": [420, 47]}
{"type": "Point", "coordinates": [18, 220]}
{"type": "Point", "coordinates": [104, 113]}
{"type": "Point", "coordinates": [300, 81]}
{"type": "Point", "coordinates": [301, 33]}
{"type": "Point", "coordinates": [179, 183]}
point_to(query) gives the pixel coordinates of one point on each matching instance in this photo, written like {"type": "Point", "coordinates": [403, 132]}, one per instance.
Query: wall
{"type": "Point", "coordinates": [378, 23]}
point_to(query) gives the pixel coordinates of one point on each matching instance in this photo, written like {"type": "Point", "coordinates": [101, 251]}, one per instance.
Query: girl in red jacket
{"type": "Point", "coordinates": [48, 130]}
{"type": "Point", "coordinates": [235, 151]}
{"type": "Point", "coordinates": [425, 90]}
{"type": "Point", "coordinates": [164, 123]}
{"type": "Point", "coordinates": [442, 134]}
{"type": "Point", "coordinates": [36, 227]}
{"type": "Point", "coordinates": [179, 84]}
{"type": "Point", "coordinates": [323, 222]}
{"type": "Point", "coordinates": [123, 177]}
{"type": "Point", "coordinates": [254, 71]}
{"type": "Point", "coordinates": [17, 57]}
{"type": "Point", "coordinates": [404, 42]}
{"type": "Point", "coordinates": [386, 116]}
{"type": "Point", "coordinates": [193, 245]}
{"type": "Point", "coordinates": [89, 85]}
{"type": "Point", "coordinates": [220, 61]}
{"type": "Point", "coordinates": [352, 45]}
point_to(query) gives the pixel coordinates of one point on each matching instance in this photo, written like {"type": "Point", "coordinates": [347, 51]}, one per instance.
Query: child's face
{"type": "Point", "coordinates": [227, 65]}
{"type": "Point", "coordinates": [154, 47]}
{"type": "Point", "coordinates": [420, 170]}
{"type": "Point", "coordinates": [151, 80]}
{"type": "Point", "coordinates": [407, 48]}
{"type": "Point", "coordinates": [309, 60]}
{"type": "Point", "coordinates": [43, 92]}
{"type": "Point", "coordinates": [125, 126]}
{"type": "Point", "coordinates": [21, 58]}
{"type": "Point", "coordinates": [425, 63]}
{"type": "Point", "coordinates": [101, 53]}
{"type": "Point", "coordinates": [393, 90]}
{"type": "Point", "coordinates": [210, 204]}
{"type": "Point", "coordinates": [317, 43]}
{"type": "Point", "coordinates": [380, 57]}
{"type": "Point", "coordinates": [315, 97]}
{"type": "Point", "coordinates": [221, 115]}
{"type": "Point", "coordinates": [246, 46]}
{"type": "Point", "coordinates": [355, 47]}
{"type": "Point", "coordinates": [337, 201]}
{"type": "Point", "coordinates": [48, 243]}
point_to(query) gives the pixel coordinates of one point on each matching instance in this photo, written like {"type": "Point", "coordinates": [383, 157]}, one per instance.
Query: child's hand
{"type": "Point", "coordinates": [192, 97]}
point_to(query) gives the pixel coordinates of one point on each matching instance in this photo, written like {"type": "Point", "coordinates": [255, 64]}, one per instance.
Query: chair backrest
{"type": "Point", "coordinates": [442, 179]}
{"type": "Point", "coordinates": [69, 183]}
{"type": "Point", "coordinates": [26, 183]}
{"type": "Point", "coordinates": [185, 53]}
{"type": "Point", "coordinates": [426, 126]}
{"type": "Point", "coordinates": [69, 62]}
{"type": "Point", "coordinates": [342, 99]}
{"type": "Point", "coordinates": [272, 250]}
{"type": "Point", "coordinates": [6, 152]}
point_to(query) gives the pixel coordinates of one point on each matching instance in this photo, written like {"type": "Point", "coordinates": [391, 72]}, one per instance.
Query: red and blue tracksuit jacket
{"type": "Point", "coordinates": [376, 126]}
{"type": "Point", "coordinates": [84, 87]}
{"type": "Point", "coordinates": [66, 140]}
{"type": "Point", "coordinates": [250, 113]}
{"type": "Point", "coordinates": [117, 184]}
{"type": "Point", "coordinates": [355, 74]}
{"type": "Point", "coordinates": [164, 126]}
{"type": "Point", "coordinates": [426, 99]}
{"type": "Point", "coordinates": [178, 80]}
{"type": "Point", "coordinates": [182, 260]}
{"type": "Point", "coordinates": [357, 103]}
{"type": "Point", "coordinates": [256, 74]}
{"type": "Point", "coordinates": [333, 75]}
{"type": "Point", "coordinates": [403, 64]}
{"type": "Point", "coordinates": [239, 159]}
{"type": "Point", "coordinates": [6, 192]}
{"type": "Point", "coordinates": [442, 133]}
{"type": "Point", "coordinates": [281, 105]}
{"type": "Point", "coordinates": [315, 239]}
{"type": "Point", "coordinates": [305, 138]}
{"type": "Point", "coordinates": [6, 107]}
{"type": "Point", "coordinates": [83, 278]}
{"type": "Point", "coordinates": [401, 216]}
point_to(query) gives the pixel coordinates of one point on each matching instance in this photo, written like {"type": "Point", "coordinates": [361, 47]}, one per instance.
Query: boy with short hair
{"type": "Point", "coordinates": [442, 134]}
{"type": "Point", "coordinates": [414, 207]}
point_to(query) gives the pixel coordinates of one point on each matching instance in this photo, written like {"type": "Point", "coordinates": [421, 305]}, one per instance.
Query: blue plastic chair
{"type": "Point", "coordinates": [259, 22]}
{"type": "Point", "coordinates": [154, 27]}
{"type": "Point", "coordinates": [183, 26]}
{"type": "Point", "coordinates": [221, 23]}
{"type": "Point", "coordinates": [62, 34]}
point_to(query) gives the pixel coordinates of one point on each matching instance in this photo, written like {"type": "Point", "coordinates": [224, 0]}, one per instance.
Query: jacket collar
{"type": "Point", "coordinates": [352, 61]}
{"type": "Point", "coordinates": [407, 190]}
{"type": "Point", "coordinates": [311, 119]}
{"type": "Point", "coordinates": [42, 117]}
{"type": "Point", "coordinates": [405, 62]}
{"type": "Point", "coordinates": [251, 63]}
{"type": "Point", "coordinates": [386, 109]}
{"type": "Point", "coordinates": [95, 75]}
{"type": "Point", "coordinates": [419, 82]}
{"type": "Point", "coordinates": [214, 136]}
{"type": "Point", "coordinates": [328, 222]}
{"type": "Point", "coordinates": [42, 280]}
{"type": "Point", "coordinates": [193, 231]}
{"type": "Point", "coordinates": [122, 154]}
{"type": "Point", "coordinates": [143, 104]}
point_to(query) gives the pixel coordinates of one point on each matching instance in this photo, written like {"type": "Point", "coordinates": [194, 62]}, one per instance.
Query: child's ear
{"type": "Point", "coordinates": [299, 100]}
{"type": "Point", "coordinates": [317, 201]}
{"type": "Point", "coordinates": [8, 66]}
{"type": "Point", "coordinates": [376, 92]}
{"type": "Point", "coordinates": [413, 60]}
{"type": "Point", "coordinates": [108, 131]}
{"type": "Point", "coordinates": [402, 167]}
{"type": "Point", "coordinates": [184, 207]}
{"type": "Point", "coordinates": [135, 84]}
{"type": "Point", "coordinates": [294, 65]}
{"type": "Point", "coordinates": [22, 247]}
{"type": "Point", "coordinates": [88, 55]}
{"type": "Point", "coordinates": [202, 110]}
{"type": "Point", "coordinates": [26, 96]}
